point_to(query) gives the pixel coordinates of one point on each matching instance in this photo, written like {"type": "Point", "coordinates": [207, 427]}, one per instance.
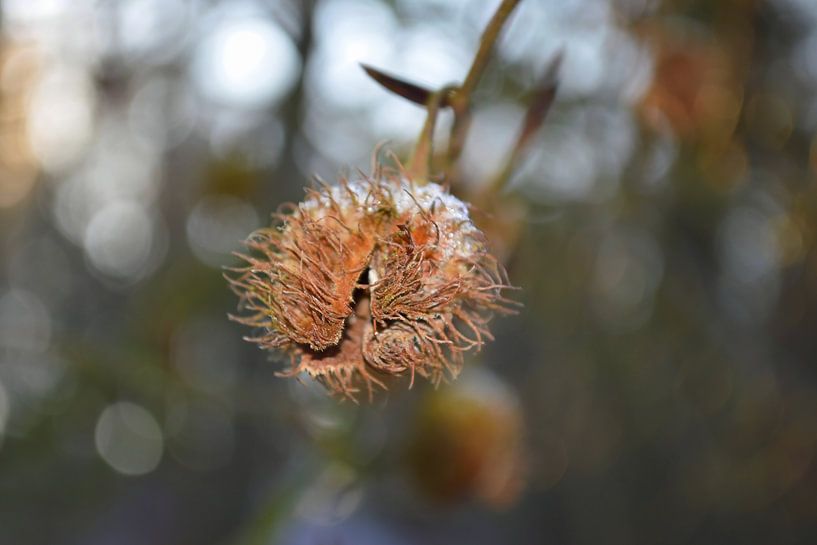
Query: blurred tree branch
{"type": "Point", "coordinates": [291, 109]}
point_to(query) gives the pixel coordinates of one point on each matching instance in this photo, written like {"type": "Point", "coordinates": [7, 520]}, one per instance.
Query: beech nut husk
{"type": "Point", "coordinates": [373, 277]}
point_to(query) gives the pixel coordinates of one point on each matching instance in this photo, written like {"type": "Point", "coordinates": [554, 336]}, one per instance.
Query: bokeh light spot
{"type": "Point", "coordinates": [61, 117]}
{"type": "Point", "coordinates": [129, 439]}
{"type": "Point", "coordinates": [245, 62]}
{"type": "Point", "coordinates": [118, 240]}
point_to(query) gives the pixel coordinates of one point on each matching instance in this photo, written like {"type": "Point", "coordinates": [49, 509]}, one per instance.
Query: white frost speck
{"type": "Point", "coordinates": [448, 212]}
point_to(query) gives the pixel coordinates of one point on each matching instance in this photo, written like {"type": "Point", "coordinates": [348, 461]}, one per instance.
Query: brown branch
{"type": "Point", "coordinates": [486, 45]}
{"type": "Point", "coordinates": [419, 167]}
{"type": "Point", "coordinates": [461, 99]}
{"type": "Point", "coordinates": [537, 112]}
{"type": "Point", "coordinates": [457, 97]}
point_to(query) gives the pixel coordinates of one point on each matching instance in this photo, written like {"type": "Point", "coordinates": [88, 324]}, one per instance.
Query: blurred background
{"type": "Point", "coordinates": [659, 386]}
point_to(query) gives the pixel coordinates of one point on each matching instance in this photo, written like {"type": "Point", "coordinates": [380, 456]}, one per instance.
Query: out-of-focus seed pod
{"type": "Point", "coordinates": [695, 86]}
{"type": "Point", "coordinates": [467, 443]}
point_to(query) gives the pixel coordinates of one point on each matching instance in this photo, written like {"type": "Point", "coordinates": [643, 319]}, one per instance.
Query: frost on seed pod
{"type": "Point", "coordinates": [373, 277]}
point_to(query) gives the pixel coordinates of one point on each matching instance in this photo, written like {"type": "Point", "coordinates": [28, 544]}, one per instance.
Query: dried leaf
{"type": "Point", "coordinates": [410, 91]}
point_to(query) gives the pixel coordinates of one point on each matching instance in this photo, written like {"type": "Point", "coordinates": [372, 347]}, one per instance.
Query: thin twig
{"type": "Point", "coordinates": [460, 100]}
{"type": "Point", "coordinates": [537, 112]}
{"type": "Point", "coordinates": [486, 45]}
{"type": "Point", "coordinates": [419, 167]}
{"type": "Point", "coordinates": [457, 97]}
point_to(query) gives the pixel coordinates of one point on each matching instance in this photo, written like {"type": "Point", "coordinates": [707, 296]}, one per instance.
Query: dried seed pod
{"type": "Point", "coordinates": [375, 276]}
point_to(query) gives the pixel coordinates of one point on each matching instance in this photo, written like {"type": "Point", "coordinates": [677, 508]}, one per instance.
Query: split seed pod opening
{"type": "Point", "coordinates": [374, 277]}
